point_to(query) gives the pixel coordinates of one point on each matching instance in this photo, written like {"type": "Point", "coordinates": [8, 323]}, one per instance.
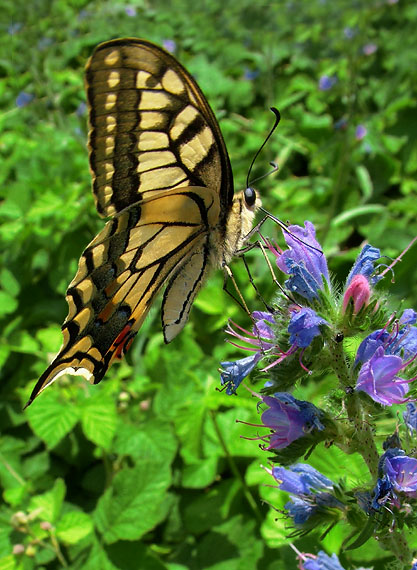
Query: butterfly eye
{"type": "Point", "coordinates": [250, 196]}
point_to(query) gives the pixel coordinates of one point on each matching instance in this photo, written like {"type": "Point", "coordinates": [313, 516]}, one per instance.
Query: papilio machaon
{"type": "Point", "coordinates": [161, 171]}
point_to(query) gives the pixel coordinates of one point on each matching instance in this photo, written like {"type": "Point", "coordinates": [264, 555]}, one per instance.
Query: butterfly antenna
{"type": "Point", "coordinates": [277, 120]}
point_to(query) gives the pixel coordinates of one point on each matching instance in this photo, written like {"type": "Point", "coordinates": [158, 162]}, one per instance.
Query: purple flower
{"type": "Point", "coordinates": [364, 264]}
{"type": "Point", "coordinates": [24, 99]}
{"type": "Point", "coordinates": [401, 471]}
{"type": "Point", "coordinates": [234, 372]}
{"type": "Point", "coordinates": [322, 562]}
{"type": "Point", "coordinates": [303, 261]}
{"type": "Point", "coordinates": [369, 49]}
{"type": "Point", "coordinates": [130, 11]}
{"type": "Point", "coordinates": [169, 45]}
{"type": "Point", "coordinates": [361, 132]}
{"type": "Point", "coordinates": [410, 417]}
{"type": "Point", "coordinates": [326, 82]}
{"type": "Point", "coordinates": [289, 419]}
{"type": "Point", "coordinates": [378, 378]}
{"type": "Point", "coordinates": [409, 317]}
{"type": "Point", "coordinates": [304, 326]}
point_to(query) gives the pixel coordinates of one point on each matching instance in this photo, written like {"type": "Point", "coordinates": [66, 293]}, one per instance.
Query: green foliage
{"type": "Point", "coordinates": [147, 469]}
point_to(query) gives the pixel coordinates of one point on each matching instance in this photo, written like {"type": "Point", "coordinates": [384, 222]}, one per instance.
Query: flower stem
{"type": "Point", "coordinates": [396, 543]}
{"type": "Point", "coordinates": [362, 440]}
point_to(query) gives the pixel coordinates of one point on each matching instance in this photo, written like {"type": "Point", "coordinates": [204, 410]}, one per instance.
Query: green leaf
{"type": "Point", "coordinates": [73, 527]}
{"type": "Point", "coordinates": [366, 533]}
{"type": "Point", "coordinates": [365, 181]}
{"type": "Point", "coordinates": [8, 563]}
{"type": "Point", "coordinates": [135, 503]}
{"type": "Point", "coordinates": [51, 418]}
{"type": "Point", "coordinates": [50, 503]}
{"type": "Point", "coordinates": [8, 304]}
{"type": "Point", "coordinates": [99, 420]}
{"type": "Point", "coordinates": [9, 282]}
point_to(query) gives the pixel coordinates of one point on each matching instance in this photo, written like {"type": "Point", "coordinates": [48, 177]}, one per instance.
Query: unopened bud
{"type": "Point", "coordinates": [359, 291]}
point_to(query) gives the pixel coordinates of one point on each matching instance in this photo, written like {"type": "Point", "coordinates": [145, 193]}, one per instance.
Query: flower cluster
{"type": "Point", "coordinates": [316, 328]}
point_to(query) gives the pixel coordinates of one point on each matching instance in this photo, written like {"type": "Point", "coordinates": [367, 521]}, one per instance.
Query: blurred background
{"type": "Point", "coordinates": [147, 469]}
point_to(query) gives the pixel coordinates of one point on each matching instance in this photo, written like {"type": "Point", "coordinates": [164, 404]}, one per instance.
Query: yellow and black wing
{"type": "Point", "coordinates": [151, 128]}
{"type": "Point", "coordinates": [160, 169]}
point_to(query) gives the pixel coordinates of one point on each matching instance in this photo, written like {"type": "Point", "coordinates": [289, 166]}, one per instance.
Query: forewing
{"type": "Point", "coordinates": [121, 272]}
{"type": "Point", "coordinates": [151, 128]}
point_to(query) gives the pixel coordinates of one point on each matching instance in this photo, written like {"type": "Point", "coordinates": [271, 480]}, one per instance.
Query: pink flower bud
{"type": "Point", "coordinates": [359, 291]}
{"type": "Point", "coordinates": [18, 549]}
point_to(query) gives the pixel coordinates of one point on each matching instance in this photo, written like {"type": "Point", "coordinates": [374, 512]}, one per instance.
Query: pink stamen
{"type": "Point", "coordinates": [301, 363]}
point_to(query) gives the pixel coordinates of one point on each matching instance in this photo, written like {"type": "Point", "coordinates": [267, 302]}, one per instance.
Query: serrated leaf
{"type": "Point", "coordinates": [73, 527]}
{"type": "Point", "coordinates": [51, 418]}
{"type": "Point", "coordinates": [135, 503]}
{"type": "Point", "coordinates": [50, 503]}
{"type": "Point", "coordinates": [99, 420]}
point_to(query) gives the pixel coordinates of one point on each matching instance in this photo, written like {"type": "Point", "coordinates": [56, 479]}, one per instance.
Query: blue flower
{"type": "Point", "coordinates": [341, 123]}
{"type": "Point", "coordinates": [402, 341]}
{"type": "Point", "coordinates": [382, 493]}
{"type": "Point", "coordinates": [130, 11]}
{"type": "Point", "coordinates": [234, 372]}
{"type": "Point", "coordinates": [326, 82]}
{"type": "Point", "coordinates": [14, 28]}
{"type": "Point", "coordinates": [410, 417]}
{"type": "Point", "coordinates": [303, 261]}
{"type": "Point", "coordinates": [304, 326]}
{"type": "Point", "coordinates": [301, 479]}
{"type": "Point", "coordinates": [260, 340]}
{"type": "Point", "coordinates": [81, 109]}
{"type": "Point", "coordinates": [24, 99]}
{"type": "Point", "coordinates": [349, 32]}
{"type": "Point", "coordinates": [323, 562]}
{"type": "Point", "coordinates": [250, 74]}
{"type": "Point", "coordinates": [364, 264]}
{"type": "Point", "coordinates": [309, 491]}
{"type": "Point", "coordinates": [289, 419]}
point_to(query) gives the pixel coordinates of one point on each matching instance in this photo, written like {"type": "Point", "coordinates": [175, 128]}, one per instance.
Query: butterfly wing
{"type": "Point", "coordinates": [151, 128]}
{"type": "Point", "coordinates": [160, 167]}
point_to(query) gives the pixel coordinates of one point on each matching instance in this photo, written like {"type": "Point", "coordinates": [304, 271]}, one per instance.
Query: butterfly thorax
{"type": "Point", "coordinates": [239, 225]}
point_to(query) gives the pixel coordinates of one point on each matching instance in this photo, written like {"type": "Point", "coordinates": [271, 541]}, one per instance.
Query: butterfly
{"type": "Point", "coordinates": [161, 172]}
